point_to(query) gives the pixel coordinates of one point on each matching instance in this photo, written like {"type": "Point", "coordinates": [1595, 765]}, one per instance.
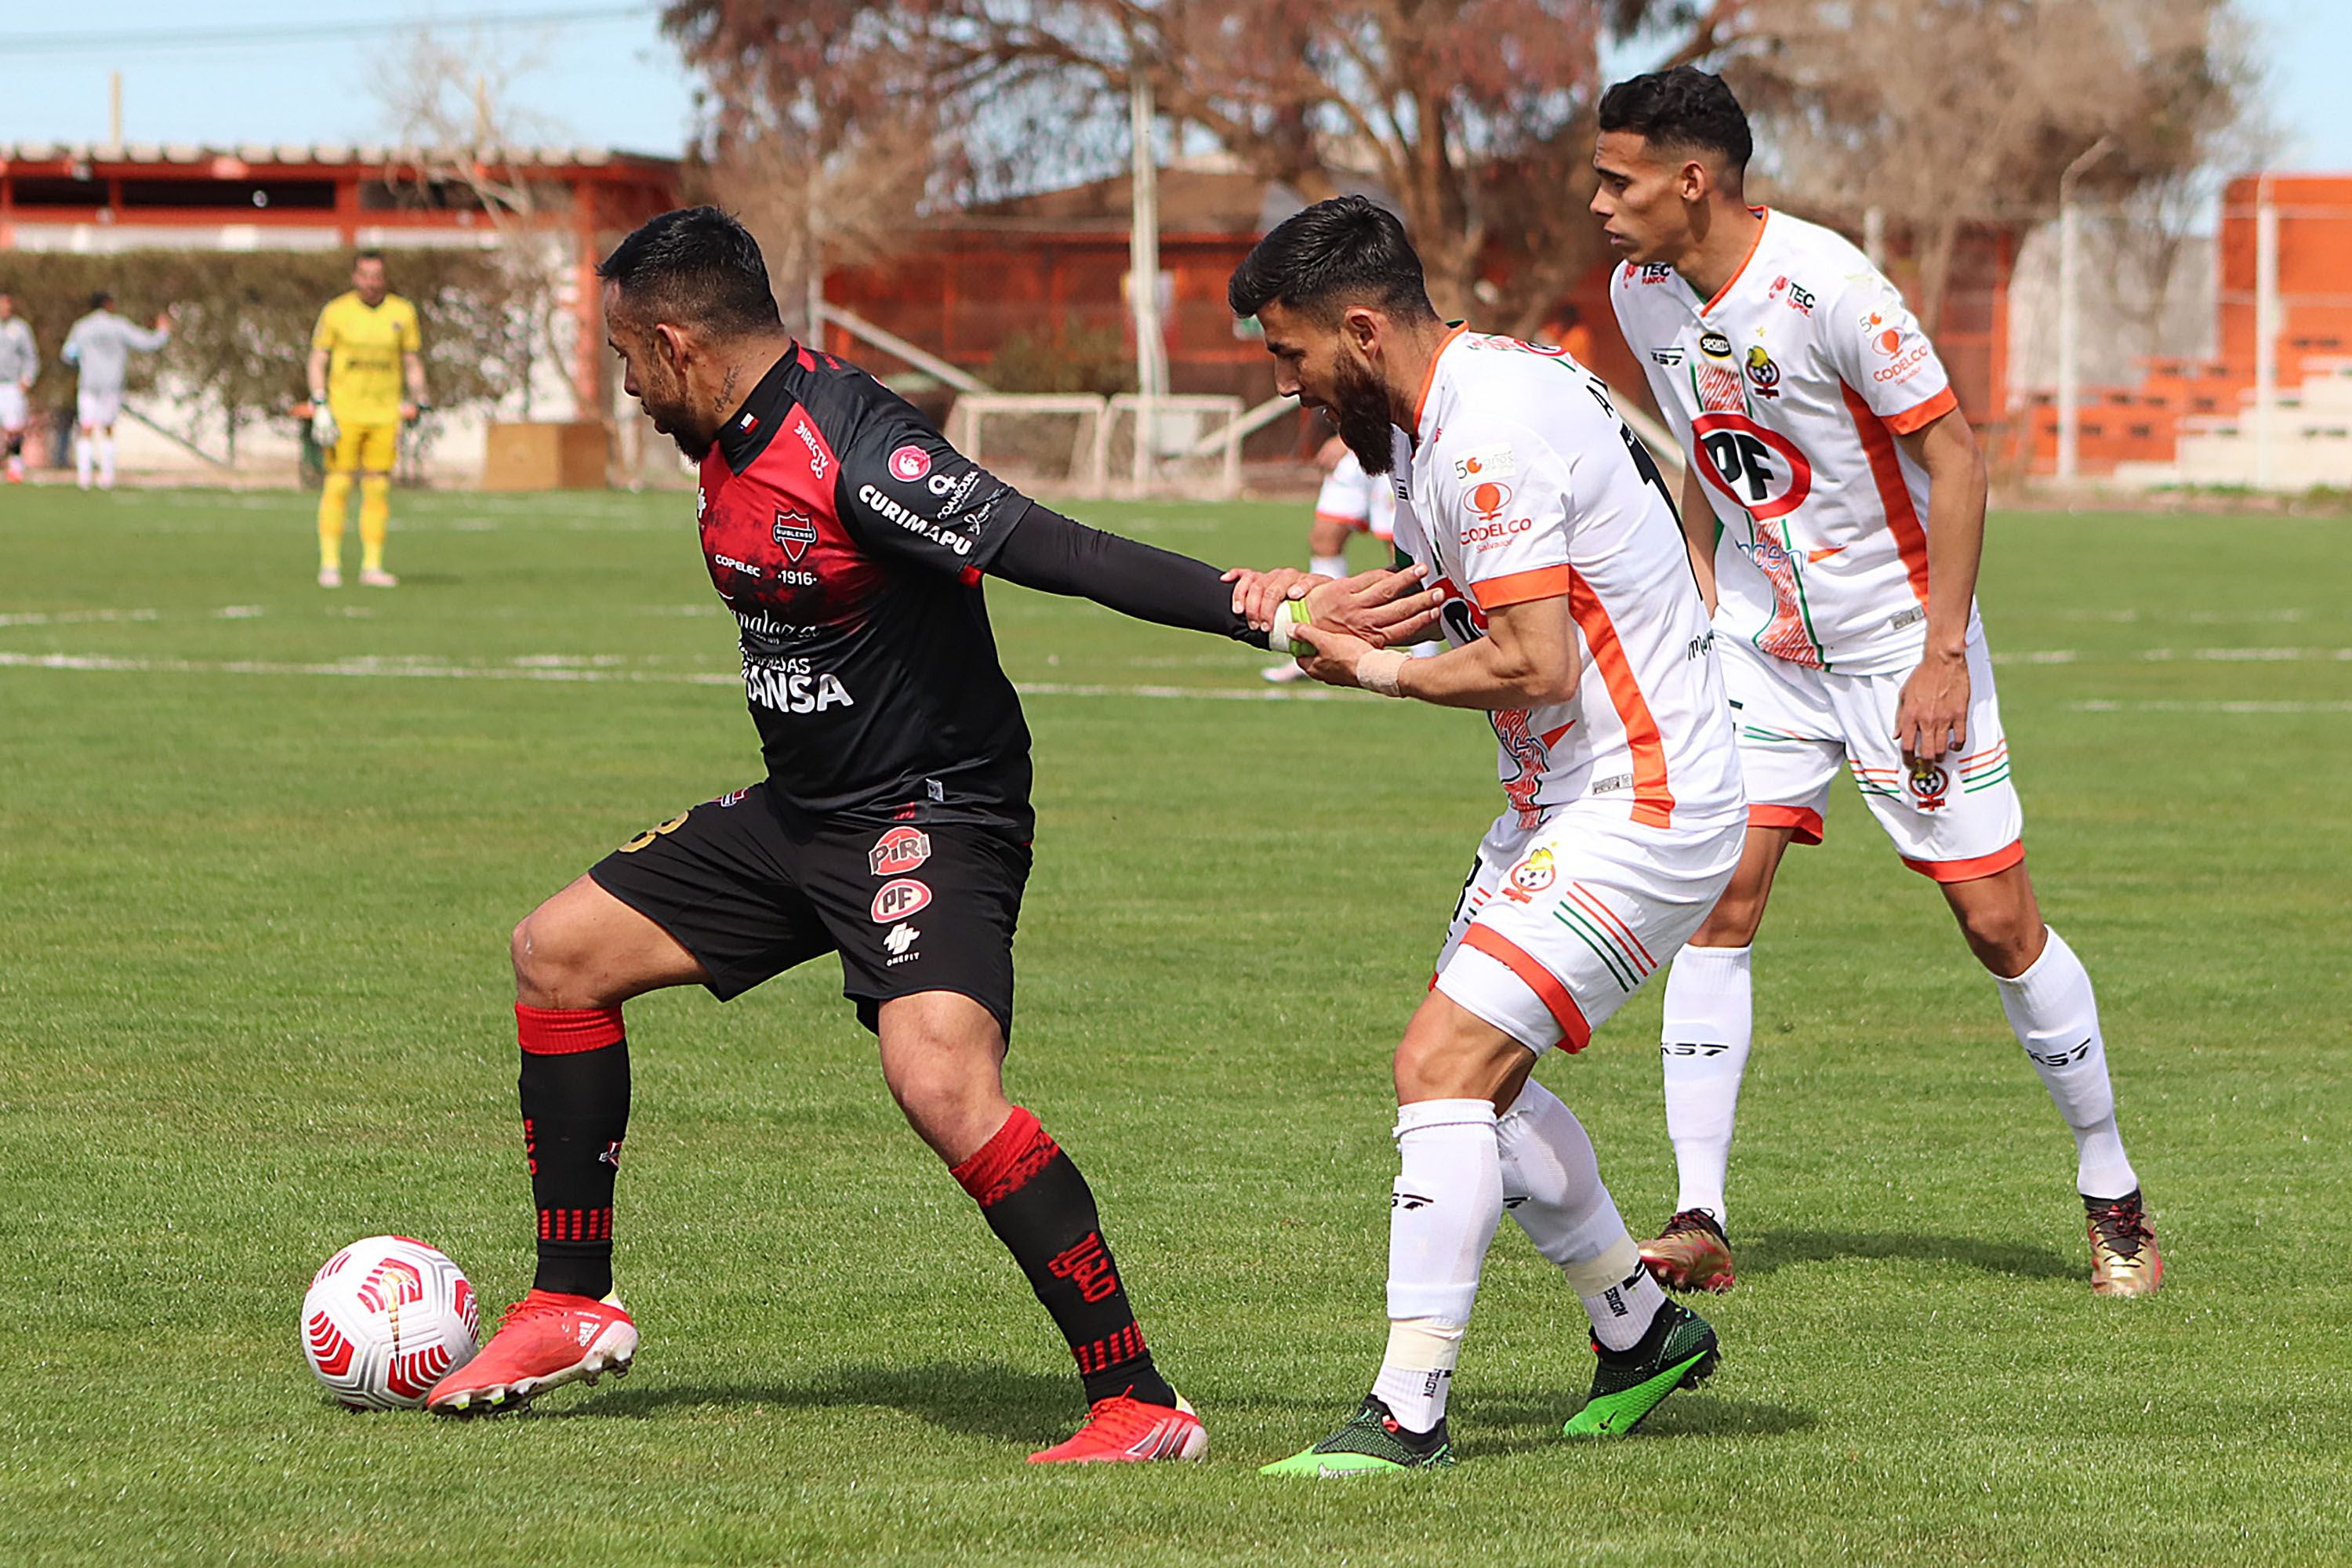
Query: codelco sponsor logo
{"type": "Point", "coordinates": [1488, 535]}
{"type": "Point", "coordinates": [1488, 499]}
{"type": "Point", "coordinates": [914, 523]}
{"type": "Point", "coordinates": [1911, 359]}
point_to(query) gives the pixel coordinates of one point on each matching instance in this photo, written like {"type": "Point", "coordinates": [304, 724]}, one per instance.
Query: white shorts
{"type": "Point", "coordinates": [12, 406]}
{"type": "Point", "coordinates": [1956, 820]}
{"type": "Point", "coordinates": [1559, 923]}
{"type": "Point", "coordinates": [98, 410]}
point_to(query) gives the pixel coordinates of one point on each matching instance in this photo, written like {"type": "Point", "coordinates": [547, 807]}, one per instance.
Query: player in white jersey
{"type": "Point", "coordinates": [1574, 620]}
{"type": "Point", "coordinates": [99, 346]}
{"type": "Point", "coordinates": [20, 363]}
{"type": "Point", "coordinates": [1350, 501]}
{"type": "Point", "coordinates": [1835, 501]}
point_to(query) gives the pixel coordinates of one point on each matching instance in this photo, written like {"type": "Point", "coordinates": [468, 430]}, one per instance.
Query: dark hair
{"type": "Point", "coordinates": [99, 299]}
{"type": "Point", "coordinates": [359, 256]}
{"type": "Point", "coordinates": [695, 267]}
{"type": "Point", "coordinates": [1347, 250]}
{"type": "Point", "coordinates": [1686, 108]}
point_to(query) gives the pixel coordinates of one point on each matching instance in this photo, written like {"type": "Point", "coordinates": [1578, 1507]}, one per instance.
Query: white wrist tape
{"type": "Point", "coordinates": [1286, 614]}
{"type": "Point", "coordinates": [1381, 671]}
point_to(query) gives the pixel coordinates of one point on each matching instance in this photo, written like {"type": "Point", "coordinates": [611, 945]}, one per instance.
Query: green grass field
{"type": "Point", "coordinates": [260, 845]}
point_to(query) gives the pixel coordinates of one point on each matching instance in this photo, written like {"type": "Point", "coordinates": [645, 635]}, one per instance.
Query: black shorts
{"type": "Point", "coordinates": [909, 908]}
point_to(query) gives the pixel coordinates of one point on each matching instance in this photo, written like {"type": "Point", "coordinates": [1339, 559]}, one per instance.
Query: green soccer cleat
{"type": "Point", "coordinates": [1371, 1444]}
{"type": "Point", "coordinates": [1678, 1351]}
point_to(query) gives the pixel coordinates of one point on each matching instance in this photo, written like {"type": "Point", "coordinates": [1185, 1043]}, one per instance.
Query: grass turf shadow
{"type": "Point", "coordinates": [1763, 1252]}
{"type": "Point", "coordinates": [984, 1400]}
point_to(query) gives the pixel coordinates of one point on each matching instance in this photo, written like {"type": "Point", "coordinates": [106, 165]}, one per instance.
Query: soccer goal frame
{"type": "Point", "coordinates": [1167, 429]}
{"type": "Point", "coordinates": [968, 422]}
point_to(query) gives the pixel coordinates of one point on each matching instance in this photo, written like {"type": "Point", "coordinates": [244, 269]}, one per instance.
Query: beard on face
{"type": "Point", "coordinates": [1360, 408]}
{"type": "Point", "coordinates": [695, 445]}
{"type": "Point", "coordinates": [673, 416]}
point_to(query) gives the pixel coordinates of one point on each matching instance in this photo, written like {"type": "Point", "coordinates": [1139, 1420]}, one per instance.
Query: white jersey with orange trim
{"type": "Point", "coordinates": [1786, 391]}
{"type": "Point", "coordinates": [1523, 484]}
{"type": "Point", "coordinates": [1353, 498]}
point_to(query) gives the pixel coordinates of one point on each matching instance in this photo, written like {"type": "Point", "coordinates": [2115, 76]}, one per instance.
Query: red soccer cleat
{"type": "Point", "coordinates": [1121, 1430]}
{"type": "Point", "coordinates": [545, 1340]}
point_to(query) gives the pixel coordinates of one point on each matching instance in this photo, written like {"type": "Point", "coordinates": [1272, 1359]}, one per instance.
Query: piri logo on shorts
{"type": "Point", "coordinates": [899, 851]}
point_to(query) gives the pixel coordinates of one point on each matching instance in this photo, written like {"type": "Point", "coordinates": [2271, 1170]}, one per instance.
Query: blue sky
{"type": "Point", "coordinates": [611, 79]}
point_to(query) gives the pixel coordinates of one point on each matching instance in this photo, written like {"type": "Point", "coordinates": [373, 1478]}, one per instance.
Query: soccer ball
{"type": "Point", "coordinates": [386, 1319]}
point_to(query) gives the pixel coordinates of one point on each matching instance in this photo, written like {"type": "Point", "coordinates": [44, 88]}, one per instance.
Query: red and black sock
{"type": "Point", "coordinates": [575, 1111]}
{"type": "Point", "coordinates": [1041, 1209]}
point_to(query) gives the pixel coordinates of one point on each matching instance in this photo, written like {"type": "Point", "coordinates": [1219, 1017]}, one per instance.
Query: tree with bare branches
{"type": "Point", "coordinates": [1473, 117]}
{"type": "Point", "coordinates": [1971, 112]}
{"type": "Point", "coordinates": [457, 128]}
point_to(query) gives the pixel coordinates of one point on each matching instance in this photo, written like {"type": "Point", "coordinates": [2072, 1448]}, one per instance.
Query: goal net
{"type": "Point", "coordinates": [1189, 445]}
{"type": "Point", "coordinates": [1051, 441]}
{"type": "Point", "coordinates": [1079, 445]}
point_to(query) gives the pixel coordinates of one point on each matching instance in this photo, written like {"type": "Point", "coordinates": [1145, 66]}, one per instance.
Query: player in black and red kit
{"type": "Point", "coordinates": [893, 826]}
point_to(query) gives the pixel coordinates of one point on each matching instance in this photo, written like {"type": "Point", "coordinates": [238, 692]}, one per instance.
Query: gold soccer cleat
{"type": "Point", "coordinates": [2124, 1257]}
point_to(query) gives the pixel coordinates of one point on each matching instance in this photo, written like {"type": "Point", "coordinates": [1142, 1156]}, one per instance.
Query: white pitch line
{"type": "Point", "coordinates": [2165, 705]}
{"type": "Point", "coordinates": [74, 617]}
{"type": "Point", "coordinates": [2173, 655]}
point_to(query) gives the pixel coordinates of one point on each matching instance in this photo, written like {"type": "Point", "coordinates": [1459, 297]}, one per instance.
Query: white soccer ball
{"type": "Point", "coordinates": [386, 1319]}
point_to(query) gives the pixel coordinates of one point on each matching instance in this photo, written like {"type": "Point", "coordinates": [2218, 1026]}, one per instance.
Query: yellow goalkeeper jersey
{"type": "Point", "coordinates": [365, 343]}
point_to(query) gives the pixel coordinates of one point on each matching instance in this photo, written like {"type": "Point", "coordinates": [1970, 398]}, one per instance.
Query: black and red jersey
{"type": "Point", "coordinates": [849, 539]}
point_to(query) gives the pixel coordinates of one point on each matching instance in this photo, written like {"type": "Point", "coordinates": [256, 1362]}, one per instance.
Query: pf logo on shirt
{"type": "Point", "coordinates": [909, 463]}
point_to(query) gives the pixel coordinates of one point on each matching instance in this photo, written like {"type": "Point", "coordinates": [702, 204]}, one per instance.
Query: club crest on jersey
{"type": "Point", "coordinates": [899, 851]}
{"type": "Point", "coordinates": [1928, 784]}
{"type": "Point", "coordinates": [1763, 372]}
{"type": "Point", "coordinates": [909, 463]}
{"type": "Point", "coordinates": [796, 530]}
{"type": "Point", "coordinates": [1714, 344]}
{"type": "Point", "coordinates": [898, 899]}
{"type": "Point", "coordinates": [1488, 499]}
{"type": "Point", "coordinates": [1529, 877]}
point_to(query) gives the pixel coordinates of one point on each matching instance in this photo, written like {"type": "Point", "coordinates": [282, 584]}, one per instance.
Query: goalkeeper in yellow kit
{"type": "Point", "coordinates": [364, 351]}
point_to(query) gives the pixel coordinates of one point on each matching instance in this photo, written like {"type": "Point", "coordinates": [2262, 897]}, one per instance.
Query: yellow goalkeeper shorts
{"type": "Point", "coordinates": [365, 448]}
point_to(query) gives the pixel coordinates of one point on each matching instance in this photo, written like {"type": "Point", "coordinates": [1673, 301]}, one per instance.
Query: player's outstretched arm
{"type": "Point", "coordinates": [1051, 552]}
{"type": "Point", "coordinates": [1527, 659]}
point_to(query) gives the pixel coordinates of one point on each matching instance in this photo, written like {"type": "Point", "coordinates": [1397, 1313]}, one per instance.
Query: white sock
{"type": "Point", "coordinates": [82, 458]}
{"type": "Point", "coordinates": [1552, 1187]}
{"type": "Point", "coordinates": [1328, 566]}
{"type": "Point", "coordinates": [1443, 1212]}
{"type": "Point", "coordinates": [106, 461]}
{"type": "Point", "coordinates": [1417, 1372]}
{"type": "Point", "coordinates": [2056, 1017]}
{"type": "Point", "coordinates": [1709, 1026]}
